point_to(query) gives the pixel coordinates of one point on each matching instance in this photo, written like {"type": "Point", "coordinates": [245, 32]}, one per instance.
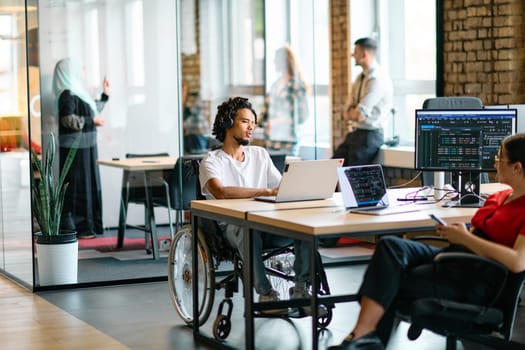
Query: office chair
{"type": "Point", "coordinates": [136, 194]}
{"type": "Point", "coordinates": [182, 183]}
{"type": "Point", "coordinates": [452, 102]}
{"type": "Point", "coordinates": [490, 322]}
{"type": "Point", "coordinates": [172, 189]}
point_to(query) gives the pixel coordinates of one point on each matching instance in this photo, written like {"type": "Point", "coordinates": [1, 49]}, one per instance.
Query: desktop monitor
{"type": "Point", "coordinates": [463, 142]}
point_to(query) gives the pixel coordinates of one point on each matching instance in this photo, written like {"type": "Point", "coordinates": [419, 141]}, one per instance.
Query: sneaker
{"type": "Point", "coordinates": [300, 292]}
{"type": "Point", "coordinates": [272, 295]}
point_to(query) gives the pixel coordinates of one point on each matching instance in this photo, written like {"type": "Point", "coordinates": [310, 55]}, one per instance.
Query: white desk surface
{"type": "Point", "coordinates": [138, 164]}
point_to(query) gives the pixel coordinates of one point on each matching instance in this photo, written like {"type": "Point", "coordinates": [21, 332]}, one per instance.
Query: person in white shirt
{"type": "Point", "coordinates": [238, 170]}
{"type": "Point", "coordinates": [369, 108]}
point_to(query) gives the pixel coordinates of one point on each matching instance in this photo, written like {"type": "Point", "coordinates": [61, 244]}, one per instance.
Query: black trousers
{"type": "Point", "coordinates": [360, 147]}
{"type": "Point", "coordinates": [402, 270]}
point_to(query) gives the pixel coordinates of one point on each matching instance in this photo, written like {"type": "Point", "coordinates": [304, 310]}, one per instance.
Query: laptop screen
{"type": "Point", "coordinates": [363, 186]}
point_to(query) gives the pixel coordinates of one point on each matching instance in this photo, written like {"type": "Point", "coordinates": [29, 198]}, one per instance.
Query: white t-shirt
{"type": "Point", "coordinates": [256, 171]}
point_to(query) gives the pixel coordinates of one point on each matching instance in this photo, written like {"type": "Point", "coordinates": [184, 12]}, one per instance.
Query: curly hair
{"type": "Point", "coordinates": [227, 110]}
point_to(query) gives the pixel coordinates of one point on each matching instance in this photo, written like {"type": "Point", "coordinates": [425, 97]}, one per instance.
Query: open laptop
{"type": "Point", "coordinates": [364, 191]}
{"type": "Point", "coordinates": [306, 180]}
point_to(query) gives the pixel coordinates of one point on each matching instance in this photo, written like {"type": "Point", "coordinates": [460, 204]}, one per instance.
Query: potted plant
{"type": "Point", "coordinates": [57, 251]}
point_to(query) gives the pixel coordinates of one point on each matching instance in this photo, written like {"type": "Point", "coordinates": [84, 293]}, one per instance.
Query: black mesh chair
{"type": "Point", "coordinates": [489, 323]}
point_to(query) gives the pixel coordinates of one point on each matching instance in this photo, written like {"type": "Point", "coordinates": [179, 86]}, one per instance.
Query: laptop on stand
{"type": "Point", "coordinates": [306, 180]}
{"type": "Point", "coordinates": [364, 191]}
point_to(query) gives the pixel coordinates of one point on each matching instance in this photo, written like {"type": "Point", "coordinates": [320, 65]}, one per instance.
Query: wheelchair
{"type": "Point", "coordinates": [213, 249]}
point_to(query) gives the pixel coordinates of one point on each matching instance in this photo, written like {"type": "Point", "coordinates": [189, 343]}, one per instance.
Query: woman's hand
{"type": "Point", "coordinates": [454, 233]}
{"type": "Point", "coordinates": [98, 121]}
{"type": "Point", "coordinates": [105, 86]}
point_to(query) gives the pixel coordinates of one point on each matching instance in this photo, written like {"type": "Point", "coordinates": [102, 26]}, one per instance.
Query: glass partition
{"type": "Point", "coordinates": [167, 64]}
{"type": "Point", "coordinates": [274, 52]}
{"type": "Point", "coordinates": [15, 75]}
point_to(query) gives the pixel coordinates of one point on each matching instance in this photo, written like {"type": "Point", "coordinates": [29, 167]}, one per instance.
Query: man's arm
{"type": "Point", "coordinates": [219, 191]}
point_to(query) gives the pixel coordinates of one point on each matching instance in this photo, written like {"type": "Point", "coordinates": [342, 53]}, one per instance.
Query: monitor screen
{"type": "Point", "coordinates": [461, 140]}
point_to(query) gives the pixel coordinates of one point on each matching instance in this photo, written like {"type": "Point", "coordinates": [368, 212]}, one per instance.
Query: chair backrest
{"type": "Point", "coordinates": [279, 160]}
{"type": "Point", "coordinates": [183, 181]}
{"type": "Point", "coordinates": [219, 247]}
{"type": "Point", "coordinates": [508, 301]}
{"type": "Point", "coordinates": [144, 155]}
{"type": "Point", "coordinates": [453, 102]}
{"type": "Point", "coordinates": [136, 181]}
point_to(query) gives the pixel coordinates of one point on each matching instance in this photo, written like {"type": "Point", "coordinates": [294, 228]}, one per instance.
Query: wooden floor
{"type": "Point", "coordinates": [141, 316]}
{"type": "Point", "coordinates": [30, 322]}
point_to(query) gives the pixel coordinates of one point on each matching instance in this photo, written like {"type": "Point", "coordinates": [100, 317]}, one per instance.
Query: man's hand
{"type": "Point", "coordinates": [355, 115]}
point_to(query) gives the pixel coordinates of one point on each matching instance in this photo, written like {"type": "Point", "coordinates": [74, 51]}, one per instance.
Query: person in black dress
{"type": "Point", "coordinates": [78, 114]}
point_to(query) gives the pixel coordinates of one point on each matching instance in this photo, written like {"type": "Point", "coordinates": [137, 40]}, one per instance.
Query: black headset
{"type": "Point", "coordinates": [228, 121]}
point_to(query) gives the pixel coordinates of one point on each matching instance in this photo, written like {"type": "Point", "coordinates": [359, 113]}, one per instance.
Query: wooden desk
{"type": "Point", "coordinates": [238, 208]}
{"type": "Point", "coordinates": [309, 221]}
{"type": "Point", "coordinates": [145, 165]}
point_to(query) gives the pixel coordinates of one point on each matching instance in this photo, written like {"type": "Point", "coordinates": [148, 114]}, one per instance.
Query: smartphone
{"type": "Point", "coordinates": [437, 219]}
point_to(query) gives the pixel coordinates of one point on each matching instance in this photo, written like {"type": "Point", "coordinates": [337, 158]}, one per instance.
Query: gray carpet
{"type": "Point", "coordinates": [111, 269]}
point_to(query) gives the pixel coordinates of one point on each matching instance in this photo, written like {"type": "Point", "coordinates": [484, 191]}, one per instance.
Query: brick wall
{"type": "Point", "coordinates": [340, 66]}
{"type": "Point", "coordinates": [191, 69]}
{"type": "Point", "coordinates": [484, 53]}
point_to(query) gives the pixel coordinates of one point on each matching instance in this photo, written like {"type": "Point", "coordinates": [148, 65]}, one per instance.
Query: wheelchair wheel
{"type": "Point", "coordinates": [180, 276]}
{"type": "Point", "coordinates": [324, 321]}
{"type": "Point", "coordinates": [221, 327]}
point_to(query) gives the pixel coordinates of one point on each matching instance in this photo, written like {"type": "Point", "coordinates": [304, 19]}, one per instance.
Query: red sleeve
{"type": "Point", "coordinates": [501, 222]}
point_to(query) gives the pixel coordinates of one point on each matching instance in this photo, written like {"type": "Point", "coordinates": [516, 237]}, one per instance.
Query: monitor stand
{"type": "Point", "coordinates": [467, 183]}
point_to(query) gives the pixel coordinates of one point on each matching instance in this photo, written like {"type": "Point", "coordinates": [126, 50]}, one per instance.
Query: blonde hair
{"type": "Point", "coordinates": [285, 57]}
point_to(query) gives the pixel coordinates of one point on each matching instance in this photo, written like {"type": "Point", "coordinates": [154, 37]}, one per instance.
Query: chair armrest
{"type": "Point", "coordinates": [464, 257]}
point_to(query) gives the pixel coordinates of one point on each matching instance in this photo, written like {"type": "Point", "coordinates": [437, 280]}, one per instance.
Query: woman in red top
{"type": "Point", "coordinates": [497, 233]}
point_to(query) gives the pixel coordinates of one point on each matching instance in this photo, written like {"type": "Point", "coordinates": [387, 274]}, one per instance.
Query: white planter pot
{"type": "Point", "coordinates": [57, 263]}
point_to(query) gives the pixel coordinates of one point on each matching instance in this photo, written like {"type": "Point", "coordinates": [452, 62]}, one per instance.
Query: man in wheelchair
{"type": "Point", "coordinates": [238, 170]}
{"type": "Point", "coordinates": [497, 233]}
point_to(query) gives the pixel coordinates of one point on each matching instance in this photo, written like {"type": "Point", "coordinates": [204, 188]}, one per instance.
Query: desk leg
{"type": "Point", "coordinates": [150, 210]}
{"type": "Point", "coordinates": [315, 291]}
{"type": "Point", "coordinates": [248, 290]}
{"type": "Point", "coordinates": [195, 275]}
{"type": "Point", "coordinates": [123, 209]}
